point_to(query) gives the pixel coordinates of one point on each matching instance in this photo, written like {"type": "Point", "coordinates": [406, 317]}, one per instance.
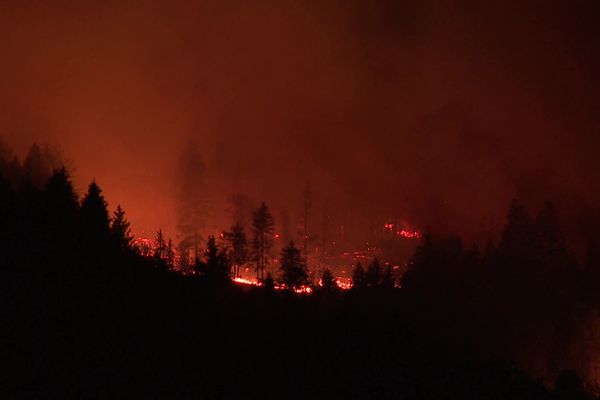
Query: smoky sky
{"type": "Point", "coordinates": [435, 112]}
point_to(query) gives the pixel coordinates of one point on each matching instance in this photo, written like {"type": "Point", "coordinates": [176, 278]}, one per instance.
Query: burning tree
{"type": "Point", "coordinates": [163, 251]}
{"type": "Point", "coordinates": [160, 245]}
{"type": "Point", "coordinates": [262, 228]}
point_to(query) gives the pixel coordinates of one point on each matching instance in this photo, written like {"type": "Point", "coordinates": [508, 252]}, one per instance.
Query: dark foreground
{"type": "Point", "coordinates": [153, 334]}
{"type": "Point", "coordinates": [83, 315]}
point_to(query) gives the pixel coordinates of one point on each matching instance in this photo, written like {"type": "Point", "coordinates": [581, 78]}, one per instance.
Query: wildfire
{"type": "Point", "coordinates": [409, 234]}
{"type": "Point", "coordinates": [245, 281]}
{"type": "Point", "coordinates": [145, 246]}
{"type": "Point", "coordinates": [254, 282]}
{"type": "Point", "coordinates": [344, 283]}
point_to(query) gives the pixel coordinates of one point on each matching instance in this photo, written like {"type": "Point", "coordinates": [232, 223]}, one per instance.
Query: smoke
{"type": "Point", "coordinates": [435, 113]}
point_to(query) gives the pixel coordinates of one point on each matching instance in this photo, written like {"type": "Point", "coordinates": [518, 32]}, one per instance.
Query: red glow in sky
{"type": "Point", "coordinates": [438, 113]}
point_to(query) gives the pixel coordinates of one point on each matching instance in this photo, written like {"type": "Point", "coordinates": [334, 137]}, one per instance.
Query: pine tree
{"type": "Point", "coordinates": [60, 193]}
{"type": "Point", "coordinates": [160, 246]}
{"type": "Point", "coordinates": [328, 282]}
{"type": "Point", "coordinates": [94, 218]}
{"type": "Point", "coordinates": [262, 229]}
{"type": "Point", "coordinates": [160, 250]}
{"type": "Point", "coordinates": [120, 230]}
{"type": "Point", "coordinates": [94, 212]}
{"type": "Point", "coordinates": [293, 269]}
{"type": "Point", "coordinates": [217, 265]}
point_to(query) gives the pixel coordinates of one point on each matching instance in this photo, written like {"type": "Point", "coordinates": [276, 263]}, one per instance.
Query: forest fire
{"type": "Point", "coordinates": [409, 234]}
{"type": "Point", "coordinates": [253, 282]}
{"type": "Point", "coordinates": [158, 249]}
{"type": "Point", "coordinates": [302, 199]}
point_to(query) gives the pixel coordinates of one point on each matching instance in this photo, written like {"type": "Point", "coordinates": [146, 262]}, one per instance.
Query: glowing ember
{"type": "Point", "coordinates": [245, 281]}
{"type": "Point", "coordinates": [409, 234]}
{"type": "Point", "coordinates": [254, 282]}
{"type": "Point", "coordinates": [344, 283]}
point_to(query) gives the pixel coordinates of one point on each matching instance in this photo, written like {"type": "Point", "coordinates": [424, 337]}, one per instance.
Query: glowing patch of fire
{"type": "Point", "coordinates": [409, 234]}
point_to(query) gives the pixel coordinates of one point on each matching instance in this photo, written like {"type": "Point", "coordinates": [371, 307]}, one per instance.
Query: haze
{"type": "Point", "coordinates": [434, 112]}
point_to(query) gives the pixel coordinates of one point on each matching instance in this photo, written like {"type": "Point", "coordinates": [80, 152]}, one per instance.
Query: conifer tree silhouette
{"type": "Point", "coordinates": [293, 268]}
{"type": "Point", "coordinates": [120, 230]}
{"type": "Point", "coordinates": [262, 229]}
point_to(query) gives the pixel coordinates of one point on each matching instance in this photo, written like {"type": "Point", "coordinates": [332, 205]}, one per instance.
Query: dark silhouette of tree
{"type": "Point", "coordinates": [94, 213]}
{"type": "Point", "coordinates": [120, 230]}
{"type": "Point", "coordinates": [440, 336]}
{"type": "Point", "coordinates": [60, 195]}
{"type": "Point", "coordinates": [51, 220]}
{"type": "Point", "coordinates": [238, 244]}
{"type": "Point", "coordinates": [373, 275]}
{"type": "Point", "coordinates": [160, 250]}
{"type": "Point", "coordinates": [293, 269]}
{"type": "Point", "coordinates": [95, 225]}
{"type": "Point", "coordinates": [217, 264]}
{"type": "Point", "coordinates": [358, 277]}
{"type": "Point", "coordinates": [262, 229]}
{"type": "Point", "coordinates": [328, 282]}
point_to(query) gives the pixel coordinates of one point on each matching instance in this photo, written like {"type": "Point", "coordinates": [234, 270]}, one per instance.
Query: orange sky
{"type": "Point", "coordinates": [438, 113]}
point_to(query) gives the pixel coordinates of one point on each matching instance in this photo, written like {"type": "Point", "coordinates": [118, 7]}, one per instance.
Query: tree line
{"type": "Point", "coordinates": [86, 311]}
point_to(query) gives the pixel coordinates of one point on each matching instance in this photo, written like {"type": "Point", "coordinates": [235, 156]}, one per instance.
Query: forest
{"type": "Point", "coordinates": [87, 312]}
